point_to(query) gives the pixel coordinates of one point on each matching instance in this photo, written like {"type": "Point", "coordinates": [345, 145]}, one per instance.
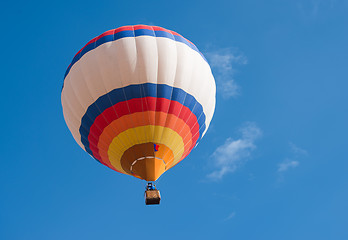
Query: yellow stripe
{"type": "Point", "coordinates": [128, 139]}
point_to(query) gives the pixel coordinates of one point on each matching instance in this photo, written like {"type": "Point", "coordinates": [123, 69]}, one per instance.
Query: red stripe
{"type": "Point", "coordinates": [156, 28]}
{"type": "Point", "coordinates": [140, 105]}
{"type": "Point", "coordinates": [124, 28]}
{"type": "Point", "coordinates": [129, 28]}
{"type": "Point", "coordinates": [137, 27]}
{"type": "Point", "coordinates": [110, 32]}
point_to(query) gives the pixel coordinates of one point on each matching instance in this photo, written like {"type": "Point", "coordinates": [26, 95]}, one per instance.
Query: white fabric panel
{"type": "Point", "coordinates": [72, 122]}
{"type": "Point", "coordinates": [210, 108]}
{"type": "Point", "coordinates": [105, 61]}
{"type": "Point", "coordinates": [76, 103]}
{"type": "Point", "coordinates": [145, 70]}
{"type": "Point", "coordinates": [147, 60]}
{"type": "Point", "coordinates": [184, 68]}
{"type": "Point", "coordinates": [201, 82]}
{"type": "Point", "coordinates": [111, 69]}
{"type": "Point", "coordinates": [167, 61]}
{"type": "Point", "coordinates": [134, 61]}
{"type": "Point", "coordinates": [167, 66]}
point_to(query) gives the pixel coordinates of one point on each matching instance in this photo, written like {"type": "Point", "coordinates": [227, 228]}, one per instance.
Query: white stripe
{"type": "Point", "coordinates": [143, 59]}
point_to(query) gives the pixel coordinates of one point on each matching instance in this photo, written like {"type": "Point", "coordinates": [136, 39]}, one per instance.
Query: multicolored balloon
{"type": "Point", "coordinates": [138, 99]}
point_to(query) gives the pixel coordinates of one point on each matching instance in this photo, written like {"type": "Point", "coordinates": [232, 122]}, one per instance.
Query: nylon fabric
{"type": "Point", "coordinates": [105, 140]}
{"type": "Point", "coordinates": [115, 158]}
{"type": "Point", "coordinates": [133, 87]}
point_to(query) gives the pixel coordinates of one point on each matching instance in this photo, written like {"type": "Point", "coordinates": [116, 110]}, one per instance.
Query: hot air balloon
{"type": "Point", "coordinates": [138, 99]}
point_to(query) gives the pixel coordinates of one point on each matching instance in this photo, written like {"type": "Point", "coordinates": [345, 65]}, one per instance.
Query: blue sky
{"type": "Point", "coordinates": [273, 164]}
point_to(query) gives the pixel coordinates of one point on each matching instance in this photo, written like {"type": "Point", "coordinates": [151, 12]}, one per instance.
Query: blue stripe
{"type": "Point", "coordinates": [129, 33]}
{"type": "Point", "coordinates": [164, 34]}
{"type": "Point", "coordinates": [139, 91]}
{"type": "Point", "coordinates": [144, 32]}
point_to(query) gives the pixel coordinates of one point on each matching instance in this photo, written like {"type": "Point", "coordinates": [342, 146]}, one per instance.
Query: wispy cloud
{"type": "Point", "coordinates": [223, 63]}
{"type": "Point", "coordinates": [293, 162]}
{"type": "Point", "coordinates": [230, 216]}
{"type": "Point", "coordinates": [233, 153]}
{"type": "Point", "coordinates": [297, 150]}
{"type": "Point", "coordinates": [287, 164]}
{"type": "Point", "coordinates": [311, 9]}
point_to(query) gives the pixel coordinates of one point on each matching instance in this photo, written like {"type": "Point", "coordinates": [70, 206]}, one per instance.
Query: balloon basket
{"type": "Point", "coordinates": [152, 197]}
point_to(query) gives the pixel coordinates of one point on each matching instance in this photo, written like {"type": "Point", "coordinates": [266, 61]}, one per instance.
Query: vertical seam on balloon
{"type": "Point", "coordinates": [140, 89]}
{"type": "Point", "coordinates": [156, 86]}
{"type": "Point", "coordinates": [212, 108]}
{"type": "Point", "coordinates": [98, 127]}
{"type": "Point", "coordinates": [177, 150]}
{"type": "Point", "coordinates": [195, 104]}
{"type": "Point", "coordinates": [192, 137]}
{"type": "Point", "coordinates": [198, 140]}
{"type": "Point", "coordinates": [124, 92]}
{"type": "Point", "coordinates": [182, 102]}
{"type": "Point", "coordinates": [142, 86]}
{"type": "Point", "coordinates": [191, 149]}
{"type": "Point", "coordinates": [77, 126]}
{"type": "Point", "coordinates": [68, 106]}
{"type": "Point", "coordinates": [78, 68]}
{"type": "Point", "coordinates": [78, 100]}
{"type": "Point", "coordinates": [113, 104]}
{"type": "Point", "coordinates": [108, 97]}
{"type": "Point", "coordinates": [171, 95]}
{"type": "Point", "coordinates": [85, 137]}
{"type": "Point", "coordinates": [186, 41]}
{"type": "Point", "coordinates": [95, 102]}
{"type": "Point", "coordinates": [198, 132]}
{"type": "Point", "coordinates": [126, 100]}
{"type": "Point", "coordinates": [212, 97]}
{"type": "Point", "coordinates": [189, 118]}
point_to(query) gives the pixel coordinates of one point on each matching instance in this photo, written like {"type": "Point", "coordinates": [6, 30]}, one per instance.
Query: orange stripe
{"type": "Point", "coordinates": [140, 119]}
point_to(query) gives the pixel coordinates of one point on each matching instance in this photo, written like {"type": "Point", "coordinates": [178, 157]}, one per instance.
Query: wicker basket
{"type": "Point", "coordinates": [152, 197]}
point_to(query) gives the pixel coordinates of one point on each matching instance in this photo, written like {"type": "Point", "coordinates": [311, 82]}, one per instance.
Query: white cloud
{"type": "Point", "coordinates": [223, 63]}
{"type": "Point", "coordinates": [311, 9]}
{"type": "Point", "coordinates": [293, 162]}
{"type": "Point", "coordinates": [297, 150]}
{"type": "Point", "coordinates": [230, 216]}
{"type": "Point", "coordinates": [287, 164]}
{"type": "Point", "coordinates": [229, 88]}
{"type": "Point", "coordinates": [232, 153]}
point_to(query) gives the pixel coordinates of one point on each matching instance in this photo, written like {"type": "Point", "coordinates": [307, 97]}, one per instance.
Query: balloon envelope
{"type": "Point", "coordinates": [138, 99]}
